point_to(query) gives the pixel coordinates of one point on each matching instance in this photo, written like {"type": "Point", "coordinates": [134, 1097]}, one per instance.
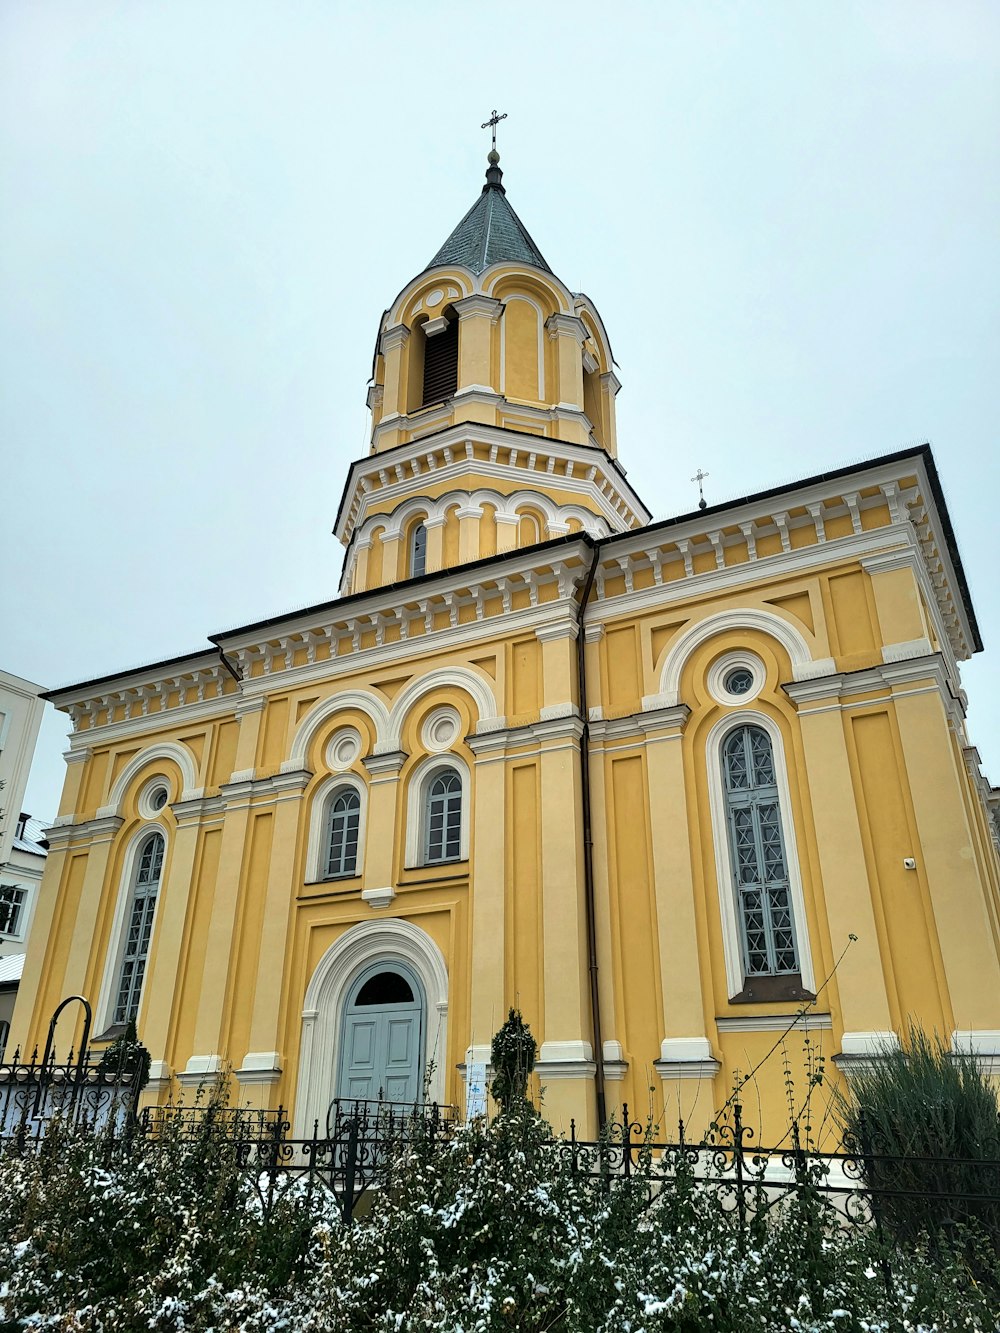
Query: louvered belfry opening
{"type": "Point", "coordinates": [441, 364]}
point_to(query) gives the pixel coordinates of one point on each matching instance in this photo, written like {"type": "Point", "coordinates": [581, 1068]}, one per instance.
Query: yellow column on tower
{"type": "Point", "coordinates": [477, 318]}
{"type": "Point", "coordinates": [393, 344]}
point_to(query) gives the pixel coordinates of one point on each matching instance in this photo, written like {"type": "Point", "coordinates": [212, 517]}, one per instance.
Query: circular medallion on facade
{"type": "Point", "coordinates": [435, 297]}
{"type": "Point", "coordinates": [736, 678]}
{"type": "Point", "coordinates": [153, 798]}
{"type": "Point", "coordinates": [344, 748]}
{"type": "Point", "coordinates": [441, 729]}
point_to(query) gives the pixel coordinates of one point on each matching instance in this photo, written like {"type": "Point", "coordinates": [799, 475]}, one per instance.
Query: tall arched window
{"type": "Point", "coordinates": [757, 853]}
{"type": "Point", "coordinates": [145, 886]}
{"type": "Point", "coordinates": [443, 818]}
{"type": "Point", "coordinates": [342, 833]}
{"type": "Point", "coordinates": [418, 551]}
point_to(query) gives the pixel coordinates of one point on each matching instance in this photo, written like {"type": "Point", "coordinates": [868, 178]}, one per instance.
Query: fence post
{"type": "Point", "coordinates": [741, 1200]}
{"type": "Point", "coordinates": [626, 1144]}
{"type": "Point", "coordinates": [351, 1165]}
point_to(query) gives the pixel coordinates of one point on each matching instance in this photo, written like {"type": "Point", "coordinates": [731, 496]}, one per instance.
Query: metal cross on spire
{"type": "Point", "coordinates": [492, 124]}
{"type": "Point", "coordinates": [699, 477]}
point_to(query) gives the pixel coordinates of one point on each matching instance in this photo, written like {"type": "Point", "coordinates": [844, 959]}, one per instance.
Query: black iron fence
{"type": "Point", "coordinates": [356, 1149]}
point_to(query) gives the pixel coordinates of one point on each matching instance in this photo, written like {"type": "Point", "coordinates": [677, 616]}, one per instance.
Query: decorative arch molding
{"type": "Point", "coordinates": [492, 277]}
{"type": "Point", "coordinates": [720, 835]}
{"type": "Point", "coordinates": [804, 666]}
{"type": "Point", "coordinates": [388, 941]}
{"type": "Point", "coordinates": [401, 310]}
{"type": "Point", "coordinates": [172, 751]}
{"type": "Point", "coordinates": [461, 678]}
{"type": "Point", "coordinates": [507, 507]}
{"type": "Point", "coordinates": [320, 713]}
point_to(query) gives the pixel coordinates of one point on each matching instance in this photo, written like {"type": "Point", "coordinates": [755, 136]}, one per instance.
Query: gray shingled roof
{"type": "Point", "coordinates": [490, 233]}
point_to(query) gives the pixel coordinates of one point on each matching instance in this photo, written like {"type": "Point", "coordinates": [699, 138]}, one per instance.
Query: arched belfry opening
{"type": "Point", "coordinates": [439, 373]}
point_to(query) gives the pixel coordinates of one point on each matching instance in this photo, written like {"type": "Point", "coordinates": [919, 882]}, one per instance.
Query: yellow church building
{"type": "Point", "coordinates": [643, 781]}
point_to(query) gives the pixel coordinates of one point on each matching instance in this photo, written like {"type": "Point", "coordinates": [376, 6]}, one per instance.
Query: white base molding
{"type": "Point", "coordinates": [259, 1067]}
{"type": "Point", "coordinates": [982, 1043]}
{"type": "Point", "coordinates": [869, 1043]}
{"type": "Point", "coordinates": [615, 1064]}
{"type": "Point", "coordinates": [199, 1070]}
{"type": "Point", "coordinates": [862, 1050]}
{"type": "Point", "coordinates": [565, 1059]}
{"type": "Point", "coordinates": [160, 1075]}
{"type": "Point", "coordinates": [686, 1057]}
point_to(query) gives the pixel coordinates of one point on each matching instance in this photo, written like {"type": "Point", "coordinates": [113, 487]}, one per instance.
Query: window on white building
{"type": "Point", "coordinates": [12, 900]}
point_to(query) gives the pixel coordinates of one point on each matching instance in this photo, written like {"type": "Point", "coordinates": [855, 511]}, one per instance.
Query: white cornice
{"type": "Point", "coordinates": [89, 830]}
{"type": "Point", "coordinates": [449, 454]}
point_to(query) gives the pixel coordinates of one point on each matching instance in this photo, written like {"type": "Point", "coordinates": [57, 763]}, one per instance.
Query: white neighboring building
{"type": "Point", "coordinates": [22, 849]}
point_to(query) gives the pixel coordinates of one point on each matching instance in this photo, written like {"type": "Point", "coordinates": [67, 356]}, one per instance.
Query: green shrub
{"type": "Point", "coordinates": [924, 1122]}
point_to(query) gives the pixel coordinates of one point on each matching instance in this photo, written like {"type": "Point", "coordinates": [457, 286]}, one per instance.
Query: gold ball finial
{"type": "Point", "coordinates": [493, 157]}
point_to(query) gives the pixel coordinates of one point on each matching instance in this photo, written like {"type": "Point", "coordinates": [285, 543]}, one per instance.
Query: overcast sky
{"type": "Point", "coordinates": [788, 214]}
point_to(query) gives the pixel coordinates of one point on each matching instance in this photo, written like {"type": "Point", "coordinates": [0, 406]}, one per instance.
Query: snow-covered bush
{"type": "Point", "coordinates": [493, 1227]}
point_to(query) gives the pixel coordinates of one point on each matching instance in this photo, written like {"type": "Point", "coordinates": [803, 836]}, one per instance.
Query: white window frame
{"type": "Point", "coordinates": [411, 555]}
{"type": "Point", "coordinates": [316, 849]}
{"type": "Point", "coordinates": [20, 910]}
{"type": "Point", "coordinates": [112, 969]}
{"type": "Point", "coordinates": [736, 979]}
{"type": "Point", "coordinates": [416, 807]}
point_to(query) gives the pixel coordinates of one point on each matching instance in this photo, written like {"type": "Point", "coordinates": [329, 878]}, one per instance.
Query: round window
{"type": "Point", "coordinates": [736, 678]}
{"type": "Point", "coordinates": [153, 798]}
{"type": "Point", "coordinates": [738, 681]}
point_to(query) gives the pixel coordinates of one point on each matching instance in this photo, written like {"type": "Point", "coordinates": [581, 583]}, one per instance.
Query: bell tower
{"type": "Point", "coordinates": [493, 411]}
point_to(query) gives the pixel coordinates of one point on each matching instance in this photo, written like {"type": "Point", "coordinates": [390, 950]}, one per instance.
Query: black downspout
{"type": "Point", "coordinates": [588, 842]}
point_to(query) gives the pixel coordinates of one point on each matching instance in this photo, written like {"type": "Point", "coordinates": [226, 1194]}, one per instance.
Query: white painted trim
{"type": "Point", "coordinates": [972, 1041]}
{"type": "Point", "coordinates": [902, 652]}
{"type": "Point", "coordinates": [376, 898]}
{"type": "Point", "coordinates": [741, 618]}
{"type": "Point", "coordinates": [735, 977]}
{"type": "Point", "coordinates": [416, 803]}
{"type": "Point", "coordinates": [384, 941]}
{"type": "Point", "coordinates": [259, 1067]}
{"type": "Point", "coordinates": [868, 1043]}
{"type": "Point", "coordinates": [685, 1049]}
{"type": "Point", "coordinates": [104, 1011]}
{"type": "Point", "coordinates": [319, 808]}
{"type": "Point", "coordinates": [364, 701]}
{"type": "Point", "coordinates": [688, 1069]}
{"type": "Point", "coordinates": [169, 750]}
{"type": "Point", "coordinates": [797, 1022]}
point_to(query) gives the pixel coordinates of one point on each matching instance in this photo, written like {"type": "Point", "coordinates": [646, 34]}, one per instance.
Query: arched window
{"type": "Point", "coordinates": [443, 818]}
{"type": "Point", "coordinates": [343, 822]}
{"type": "Point", "coordinates": [418, 551]}
{"type": "Point", "coordinates": [757, 854]}
{"type": "Point", "coordinates": [142, 906]}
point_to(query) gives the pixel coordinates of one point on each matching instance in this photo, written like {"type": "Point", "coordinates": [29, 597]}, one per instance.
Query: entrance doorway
{"type": "Point", "coordinates": [382, 1037]}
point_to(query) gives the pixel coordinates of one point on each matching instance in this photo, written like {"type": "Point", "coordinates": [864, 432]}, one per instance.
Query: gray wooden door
{"type": "Point", "coordinates": [381, 1052]}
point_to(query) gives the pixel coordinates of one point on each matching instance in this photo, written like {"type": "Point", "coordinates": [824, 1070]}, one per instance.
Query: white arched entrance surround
{"type": "Point", "coordinates": [385, 943]}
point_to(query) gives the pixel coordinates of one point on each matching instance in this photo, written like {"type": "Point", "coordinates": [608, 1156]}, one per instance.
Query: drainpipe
{"type": "Point", "coordinates": [588, 841]}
